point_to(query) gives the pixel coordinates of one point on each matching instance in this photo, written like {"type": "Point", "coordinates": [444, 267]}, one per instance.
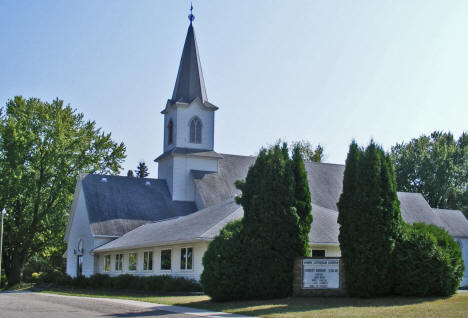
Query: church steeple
{"type": "Point", "coordinates": [189, 120]}
{"type": "Point", "coordinates": [189, 84]}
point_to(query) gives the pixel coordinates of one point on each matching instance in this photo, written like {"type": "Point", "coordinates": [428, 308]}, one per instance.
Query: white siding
{"type": "Point", "coordinates": [80, 230]}
{"type": "Point", "coordinates": [181, 116]}
{"type": "Point", "coordinates": [464, 247]}
{"type": "Point", "coordinates": [183, 184]}
{"type": "Point", "coordinates": [199, 249]}
{"type": "Point", "coordinates": [165, 171]}
{"type": "Point", "coordinates": [330, 250]}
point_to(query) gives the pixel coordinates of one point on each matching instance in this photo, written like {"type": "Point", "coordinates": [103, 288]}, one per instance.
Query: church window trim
{"type": "Point", "coordinates": [107, 263]}
{"type": "Point", "coordinates": [132, 262]}
{"type": "Point", "coordinates": [118, 262]}
{"type": "Point", "coordinates": [148, 261]}
{"type": "Point", "coordinates": [195, 130]}
{"type": "Point", "coordinates": [170, 132]}
{"type": "Point", "coordinates": [164, 262]}
{"type": "Point", "coordinates": [186, 258]}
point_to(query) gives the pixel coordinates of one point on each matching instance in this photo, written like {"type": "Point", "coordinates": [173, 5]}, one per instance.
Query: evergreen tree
{"type": "Point", "coordinates": [272, 230]}
{"type": "Point", "coordinates": [130, 173]}
{"type": "Point", "coordinates": [348, 216]}
{"type": "Point", "coordinates": [370, 221]}
{"type": "Point", "coordinates": [302, 201]}
{"type": "Point", "coordinates": [142, 170]}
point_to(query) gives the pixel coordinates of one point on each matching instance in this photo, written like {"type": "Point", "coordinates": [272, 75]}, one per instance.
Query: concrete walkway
{"type": "Point", "coordinates": [153, 306]}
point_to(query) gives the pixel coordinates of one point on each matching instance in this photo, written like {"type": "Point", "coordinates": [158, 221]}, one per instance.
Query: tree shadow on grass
{"type": "Point", "coordinates": [293, 305]}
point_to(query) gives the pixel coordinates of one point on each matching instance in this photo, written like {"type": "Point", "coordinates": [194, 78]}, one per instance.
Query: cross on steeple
{"type": "Point", "coordinates": [191, 17]}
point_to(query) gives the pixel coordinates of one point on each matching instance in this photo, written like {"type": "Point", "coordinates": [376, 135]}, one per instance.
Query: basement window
{"type": "Point", "coordinates": [318, 253]}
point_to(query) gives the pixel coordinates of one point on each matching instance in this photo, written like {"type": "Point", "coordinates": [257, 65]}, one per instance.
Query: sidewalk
{"type": "Point", "coordinates": [153, 306]}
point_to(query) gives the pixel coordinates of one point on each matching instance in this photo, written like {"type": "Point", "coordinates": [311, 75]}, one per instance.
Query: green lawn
{"type": "Point", "coordinates": [455, 306]}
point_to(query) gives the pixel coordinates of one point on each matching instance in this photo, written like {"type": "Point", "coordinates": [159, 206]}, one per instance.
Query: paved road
{"type": "Point", "coordinates": [26, 305]}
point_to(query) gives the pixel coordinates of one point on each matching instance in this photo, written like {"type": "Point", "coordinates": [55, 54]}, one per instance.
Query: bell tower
{"type": "Point", "coordinates": [188, 147]}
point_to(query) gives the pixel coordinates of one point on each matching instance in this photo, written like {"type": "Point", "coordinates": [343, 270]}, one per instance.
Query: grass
{"type": "Point", "coordinates": [455, 306]}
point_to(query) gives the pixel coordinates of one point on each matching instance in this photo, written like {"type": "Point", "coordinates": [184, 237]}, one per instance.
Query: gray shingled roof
{"type": "Point", "coordinates": [219, 187]}
{"type": "Point", "coordinates": [189, 84]}
{"type": "Point", "coordinates": [191, 152]}
{"type": "Point", "coordinates": [325, 227]}
{"type": "Point", "coordinates": [454, 222]}
{"type": "Point", "coordinates": [217, 191]}
{"type": "Point", "coordinates": [202, 225]}
{"type": "Point", "coordinates": [121, 203]}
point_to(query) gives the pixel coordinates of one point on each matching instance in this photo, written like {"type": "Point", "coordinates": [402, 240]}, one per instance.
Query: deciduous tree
{"type": "Point", "coordinates": [43, 148]}
{"type": "Point", "coordinates": [435, 166]}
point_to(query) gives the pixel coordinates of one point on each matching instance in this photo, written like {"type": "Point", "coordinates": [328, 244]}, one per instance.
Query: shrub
{"type": "Point", "coordinates": [122, 281]}
{"type": "Point", "coordinates": [54, 277]}
{"type": "Point", "coordinates": [154, 283]}
{"type": "Point", "coordinates": [80, 281]}
{"type": "Point", "coordinates": [100, 281]}
{"type": "Point", "coordinates": [223, 274]}
{"type": "Point", "coordinates": [427, 262]}
{"type": "Point", "coordinates": [131, 282]}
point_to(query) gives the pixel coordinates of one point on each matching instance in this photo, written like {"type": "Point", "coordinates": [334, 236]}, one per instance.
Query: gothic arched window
{"type": "Point", "coordinates": [170, 128]}
{"type": "Point", "coordinates": [195, 130]}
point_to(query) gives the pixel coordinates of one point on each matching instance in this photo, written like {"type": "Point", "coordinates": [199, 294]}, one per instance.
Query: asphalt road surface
{"type": "Point", "coordinates": [33, 305]}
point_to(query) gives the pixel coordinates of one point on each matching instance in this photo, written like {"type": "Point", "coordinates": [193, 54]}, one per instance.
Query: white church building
{"type": "Point", "coordinates": [163, 226]}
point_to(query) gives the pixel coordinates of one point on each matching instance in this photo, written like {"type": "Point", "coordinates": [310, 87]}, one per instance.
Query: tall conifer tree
{"type": "Point", "coordinates": [273, 233]}
{"type": "Point", "coordinates": [370, 221]}
{"type": "Point", "coordinates": [348, 216]}
{"type": "Point", "coordinates": [142, 170]}
{"type": "Point", "coordinates": [302, 201]}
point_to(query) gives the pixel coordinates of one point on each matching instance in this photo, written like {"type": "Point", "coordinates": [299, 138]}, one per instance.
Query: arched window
{"type": "Point", "coordinates": [195, 130]}
{"type": "Point", "coordinates": [170, 128]}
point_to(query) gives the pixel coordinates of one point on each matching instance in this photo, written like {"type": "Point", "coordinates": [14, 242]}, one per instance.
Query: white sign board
{"type": "Point", "coordinates": [321, 273]}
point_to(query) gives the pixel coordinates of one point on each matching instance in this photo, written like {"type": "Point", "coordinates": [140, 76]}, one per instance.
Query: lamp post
{"type": "Point", "coordinates": [1, 243]}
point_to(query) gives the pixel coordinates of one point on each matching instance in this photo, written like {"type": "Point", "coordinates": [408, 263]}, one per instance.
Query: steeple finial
{"type": "Point", "coordinates": [191, 17]}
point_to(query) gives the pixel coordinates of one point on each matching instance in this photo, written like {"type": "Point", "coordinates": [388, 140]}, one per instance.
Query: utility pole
{"type": "Point", "coordinates": [1, 243]}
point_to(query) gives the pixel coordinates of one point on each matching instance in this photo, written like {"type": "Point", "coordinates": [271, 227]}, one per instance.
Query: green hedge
{"type": "Point", "coordinates": [224, 273]}
{"type": "Point", "coordinates": [427, 262]}
{"type": "Point", "coordinates": [163, 283]}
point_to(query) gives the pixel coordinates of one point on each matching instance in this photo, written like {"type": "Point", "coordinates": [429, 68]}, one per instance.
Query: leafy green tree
{"type": "Point", "coordinates": [142, 170]}
{"type": "Point", "coordinates": [308, 152]}
{"type": "Point", "coordinates": [370, 221]}
{"type": "Point", "coordinates": [435, 166]}
{"type": "Point", "coordinates": [43, 148]}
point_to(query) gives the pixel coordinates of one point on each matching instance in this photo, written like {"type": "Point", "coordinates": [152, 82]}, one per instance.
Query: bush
{"type": "Point", "coordinates": [427, 262]}
{"type": "Point", "coordinates": [122, 281]}
{"type": "Point", "coordinates": [130, 282]}
{"type": "Point", "coordinates": [54, 277]}
{"type": "Point", "coordinates": [223, 275]}
{"type": "Point", "coordinates": [100, 281]}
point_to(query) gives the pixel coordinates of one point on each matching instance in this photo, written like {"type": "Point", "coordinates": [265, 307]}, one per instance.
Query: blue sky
{"type": "Point", "coordinates": [324, 71]}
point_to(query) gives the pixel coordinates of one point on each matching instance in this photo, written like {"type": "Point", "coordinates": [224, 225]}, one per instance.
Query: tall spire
{"type": "Point", "coordinates": [189, 84]}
